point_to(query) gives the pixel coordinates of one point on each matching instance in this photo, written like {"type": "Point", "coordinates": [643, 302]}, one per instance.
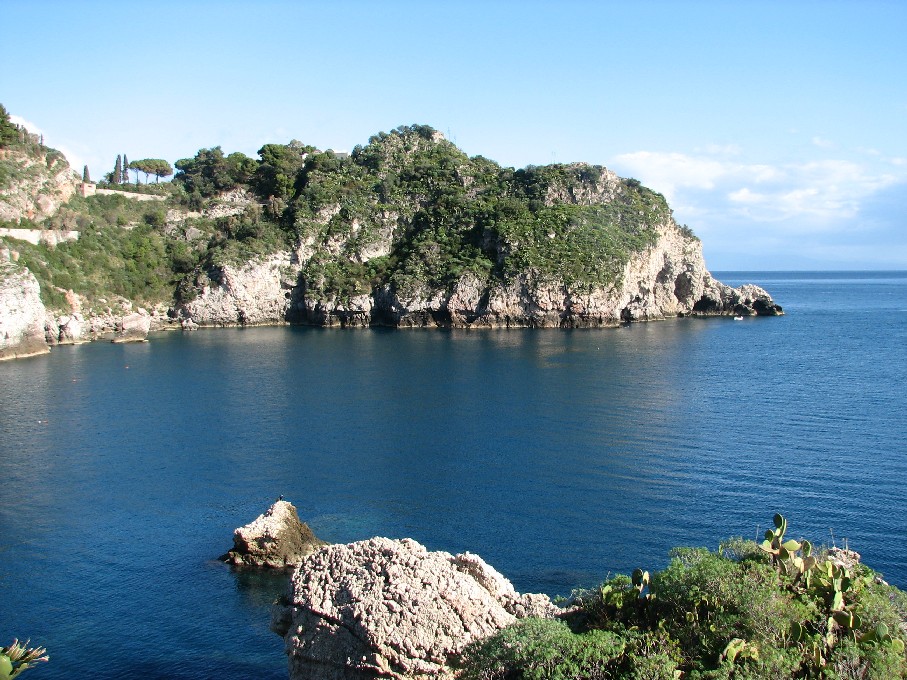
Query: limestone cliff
{"type": "Point", "coordinates": [252, 294]}
{"type": "Point", "coordinates": [410, 231]}
{"type": "Point", "coordinates": [666, 280]}
{"type": "Point", "coordinates": [22, 314]}
{"type": "Point", "coordinates": [38, 181]}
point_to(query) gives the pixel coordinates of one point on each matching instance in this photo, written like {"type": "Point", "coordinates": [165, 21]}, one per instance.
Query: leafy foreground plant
{"type": "Point", "coordinates": [17, 657]}
{"type": "Point", "coordinates": [769, 611]}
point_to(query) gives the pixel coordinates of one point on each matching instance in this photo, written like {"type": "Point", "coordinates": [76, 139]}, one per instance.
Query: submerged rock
{"type": "Point", "coordinates": [392, 609]}
{"type": "Point", "coordinates": [276, 539]}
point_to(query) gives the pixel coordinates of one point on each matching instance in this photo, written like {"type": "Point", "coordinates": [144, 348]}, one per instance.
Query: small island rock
{"type": "Point", "coordinates": [276, 539]}
{"type": "Point", "coordinates": [392, 609]}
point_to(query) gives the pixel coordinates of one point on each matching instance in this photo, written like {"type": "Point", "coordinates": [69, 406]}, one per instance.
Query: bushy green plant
{"type": "Point", "coordinates": [744, 611]}
{"type": "Point", "coordinates": [546, 649]}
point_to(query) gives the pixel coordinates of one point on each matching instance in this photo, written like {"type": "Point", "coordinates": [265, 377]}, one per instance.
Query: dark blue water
{"type": "Point", "coordinates": [559, 456]}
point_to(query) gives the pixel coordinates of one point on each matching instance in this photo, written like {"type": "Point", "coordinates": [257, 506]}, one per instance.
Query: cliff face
{"type": "Point", "coordinates": [666, 280]}
{"type": "Point", "coordinates": [22, 314]}
{"type": "Point", "coordinates": [38, 183]}
{"type": "Point", "coordinates": [253, 294]}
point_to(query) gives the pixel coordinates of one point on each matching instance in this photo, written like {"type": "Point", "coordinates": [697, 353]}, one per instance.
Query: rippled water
{"type": "Point", "coordinates": [559, 456]}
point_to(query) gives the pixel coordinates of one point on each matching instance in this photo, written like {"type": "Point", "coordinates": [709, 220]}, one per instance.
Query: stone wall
{"type": "Point", "coordinates": [130, 194]}
{"type": "Point", "coordinates": [49, 236]}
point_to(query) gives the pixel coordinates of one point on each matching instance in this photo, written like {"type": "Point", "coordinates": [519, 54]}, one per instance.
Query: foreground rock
{"type": "Point", "coordinates": [22, 314]}
{"type": "Point", "coordinates": [392, 609]}
{"type": "Point", "coordinates": [275, 539]}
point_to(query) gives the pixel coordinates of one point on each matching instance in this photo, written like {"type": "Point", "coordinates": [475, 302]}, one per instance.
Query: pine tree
{"type": "Point", "coordinates": [85, 177]}
{"type": "Point", "coordinates": [118, 171]}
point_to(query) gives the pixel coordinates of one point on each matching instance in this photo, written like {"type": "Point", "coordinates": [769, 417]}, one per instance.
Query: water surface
{"type": "Point", "coordinates": [559, 456]}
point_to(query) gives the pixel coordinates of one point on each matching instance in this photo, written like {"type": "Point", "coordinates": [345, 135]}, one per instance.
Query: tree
{"type": "Point", "coordinates": [117, 176]}
{"type": "Point", "coordinates": [9, 132]}
{"type": "Point", "coordinates": [210, 172]}
{"type": "Point", "coordinates": [162, 169]}
{"type": "Point", "coordinates": [125, 175]}
{"type": "Point", "coordinates": [280, 164]}
{"type": "Point", "coordinates": [85, 176]}
{"type": "Point", "coordinates": [152, 166]}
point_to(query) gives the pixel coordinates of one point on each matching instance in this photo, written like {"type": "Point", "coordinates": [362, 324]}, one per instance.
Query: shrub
{"type": "Point", "coordinates": [766, 612]}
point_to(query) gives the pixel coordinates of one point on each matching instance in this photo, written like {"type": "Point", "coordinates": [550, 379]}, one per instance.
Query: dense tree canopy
{"type": "Point", "coordinates": [152, 166]}
{"type": "Point", "coordinates": [210, 172]}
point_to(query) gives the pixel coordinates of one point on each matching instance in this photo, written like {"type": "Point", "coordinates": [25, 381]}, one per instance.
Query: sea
{"type": "Point", "coordinates": [559, 456]}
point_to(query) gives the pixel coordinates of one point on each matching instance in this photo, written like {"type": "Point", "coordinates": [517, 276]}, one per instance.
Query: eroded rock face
{"type": "Point", "coordinates": [392, 609]}
{"type": "Point", "coordinates": [667, 280]}
{"type": "Point", "coordinates": [43, 183]}
{"type": "Point", "coordinates": [22, 314]}
{"type": "Point", "coordinates": [256, 293]}
{"type": "Point", "coordinates": [276, 539]}
{"type": "Point", "coordinates": [133, 327]}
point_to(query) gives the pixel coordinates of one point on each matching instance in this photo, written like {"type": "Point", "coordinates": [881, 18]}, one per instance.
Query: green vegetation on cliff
{"type": "Point", "coordinates": [771, 611]}
{"type": "Point", "coordinates": [408, 211]}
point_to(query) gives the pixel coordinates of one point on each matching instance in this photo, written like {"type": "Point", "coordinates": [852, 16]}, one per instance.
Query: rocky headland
{"type": "Point", "coordinates": [406, 231]}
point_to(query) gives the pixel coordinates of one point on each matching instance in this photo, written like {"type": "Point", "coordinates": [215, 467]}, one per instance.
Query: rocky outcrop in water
{"type": "Point", "coordinates": [22, 314]}
{"type": "Point", "coordinates": [275, 539]}
{"type": "Point", "coordinates": [718, 299]}
{"type": "Point", "coordinates": [392, 609]}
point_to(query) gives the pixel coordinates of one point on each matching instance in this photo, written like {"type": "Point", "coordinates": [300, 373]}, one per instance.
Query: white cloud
{"type": "Point", "coordinates": [823, 143]}
{"type": "Point", "coordinates": [829, 190]}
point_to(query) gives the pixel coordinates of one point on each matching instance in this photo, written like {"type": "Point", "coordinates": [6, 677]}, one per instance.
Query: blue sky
{"type": "Point", "coordinates": [777, 130]}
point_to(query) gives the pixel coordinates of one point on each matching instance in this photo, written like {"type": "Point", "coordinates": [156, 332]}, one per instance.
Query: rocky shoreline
{"type": "Point", "coordinates": [379, 607]}
{"type": "Point", "coordinates": [259, 294]}
{"type": "Point", "coordinates": [667, 280]}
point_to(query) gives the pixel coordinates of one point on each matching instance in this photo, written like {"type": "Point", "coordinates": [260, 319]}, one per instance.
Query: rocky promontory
{"type": "Point", "coordinates": [393, 609]}
{"type": "Point", "coordinates": [22, 314]}
{"type": "Point", "coordinates": [275, 539]}
{"type": "Point", "coordinates": [667, 279]}
{"type": "Point", "coordinates": [405, 231]}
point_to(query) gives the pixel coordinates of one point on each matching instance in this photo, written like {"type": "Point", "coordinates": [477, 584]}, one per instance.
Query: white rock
{"type": "Point", "coordinates": [22, 314]}
{"type": "Point", "coordinates": [274, 539]}
{"type": "Point", "coordinates": [390, 608]}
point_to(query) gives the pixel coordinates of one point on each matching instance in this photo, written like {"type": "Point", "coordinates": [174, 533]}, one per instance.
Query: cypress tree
{"type": "Point", "coordinates": [125, 169]}
{"type": "Point", "coordinates": [118, 171]}
{"type": "Point", "coordinates": [85, 176]}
